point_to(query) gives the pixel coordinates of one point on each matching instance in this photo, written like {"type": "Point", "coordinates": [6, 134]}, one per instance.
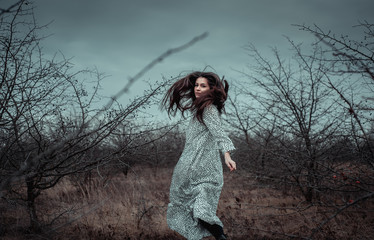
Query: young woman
{"type": "Point", "coordinates": [197, 178]}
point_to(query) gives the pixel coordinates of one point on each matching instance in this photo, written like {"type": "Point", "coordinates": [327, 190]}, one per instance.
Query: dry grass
{"type": "Point", "coordinates": [134, 207]}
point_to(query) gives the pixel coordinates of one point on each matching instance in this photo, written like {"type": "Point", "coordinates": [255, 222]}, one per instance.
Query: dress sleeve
{"type": "Point", "coordinates": [212, 120]}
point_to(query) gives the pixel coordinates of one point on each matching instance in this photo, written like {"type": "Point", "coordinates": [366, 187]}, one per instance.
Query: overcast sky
{"type": "Point", "coordinates": [120, 37]}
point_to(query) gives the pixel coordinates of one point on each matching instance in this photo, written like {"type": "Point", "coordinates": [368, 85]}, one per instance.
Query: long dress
{"type": "Point", "coordinates": [198, 177]}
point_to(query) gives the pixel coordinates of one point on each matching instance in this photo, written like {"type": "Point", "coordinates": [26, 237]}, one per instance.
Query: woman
{"type": "Point", "coordinates": [197, 178]}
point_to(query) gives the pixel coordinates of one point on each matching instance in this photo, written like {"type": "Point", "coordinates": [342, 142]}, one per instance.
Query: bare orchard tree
{"type": "Point", "coordinates": [350, 61]}
{"type": "Point", "coordinates": [49, 125]}
{"type": "Point", "coordinates": [296, 111]}
{"type": "Point", "coordinates": [34, 96]}
{"type": "Point", "coordinates": [309, 124]}
{"type": "Point", "coordinates": [349, 66]}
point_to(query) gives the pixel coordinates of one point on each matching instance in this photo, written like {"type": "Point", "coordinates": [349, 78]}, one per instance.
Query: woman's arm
{"type": "Point", "coordinates": [213, 122]}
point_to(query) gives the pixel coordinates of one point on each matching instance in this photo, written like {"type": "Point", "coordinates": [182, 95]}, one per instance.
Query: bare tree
{"type": "Point", "coordinates": [50, 126]}
{"type": "Point", "coordinates": [296, 110]}
{"type": "Point", "coordinates": [349, 67]}
{"type": "Point", "coordinates": [308, 120]}
{"type": "Point", "coordinates": [351, 61]}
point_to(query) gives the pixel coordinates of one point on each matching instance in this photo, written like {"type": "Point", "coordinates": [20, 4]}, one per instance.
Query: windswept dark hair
{"type": "Point", "coordinates": [181, 95]}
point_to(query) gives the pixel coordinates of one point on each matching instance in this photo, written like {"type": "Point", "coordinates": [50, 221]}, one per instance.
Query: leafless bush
{"type": "Point", "coordinates": [49, 125]}
{"type": "Point", "coordinates": [307, 121]}
{"type": "Point", "coordinates": [350, 62]}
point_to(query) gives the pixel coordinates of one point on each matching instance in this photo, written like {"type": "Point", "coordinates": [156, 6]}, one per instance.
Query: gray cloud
{"type": "Point", "coordinates": [120, 37]}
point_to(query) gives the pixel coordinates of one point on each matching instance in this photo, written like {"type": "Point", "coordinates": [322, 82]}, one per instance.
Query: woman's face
{"type": "Point", "coordinates": [201, 86]}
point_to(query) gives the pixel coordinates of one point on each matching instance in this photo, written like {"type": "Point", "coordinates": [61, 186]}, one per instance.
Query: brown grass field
{"type": "Point", "coordinates": [134, 207]}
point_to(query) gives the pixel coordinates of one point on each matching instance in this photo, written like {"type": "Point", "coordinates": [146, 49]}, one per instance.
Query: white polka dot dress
{"type": "Point", "coordinates": [198, 178]}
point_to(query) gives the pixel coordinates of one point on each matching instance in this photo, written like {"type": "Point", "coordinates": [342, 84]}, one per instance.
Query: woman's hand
{"type": "Point", "coordinates": [229, 162]}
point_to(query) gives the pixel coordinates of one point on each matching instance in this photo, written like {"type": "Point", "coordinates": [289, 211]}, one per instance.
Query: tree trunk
{"type": "Point", "coordinates": [312, 178]}
{"type": "Point", "coordinates": [31, 196]}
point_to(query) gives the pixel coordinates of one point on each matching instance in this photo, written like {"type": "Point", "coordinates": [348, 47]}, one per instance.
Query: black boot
{"type": "Point", "coordinates": [221, 237]}
{"type": "Point", "coordinates": [215, 229]}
